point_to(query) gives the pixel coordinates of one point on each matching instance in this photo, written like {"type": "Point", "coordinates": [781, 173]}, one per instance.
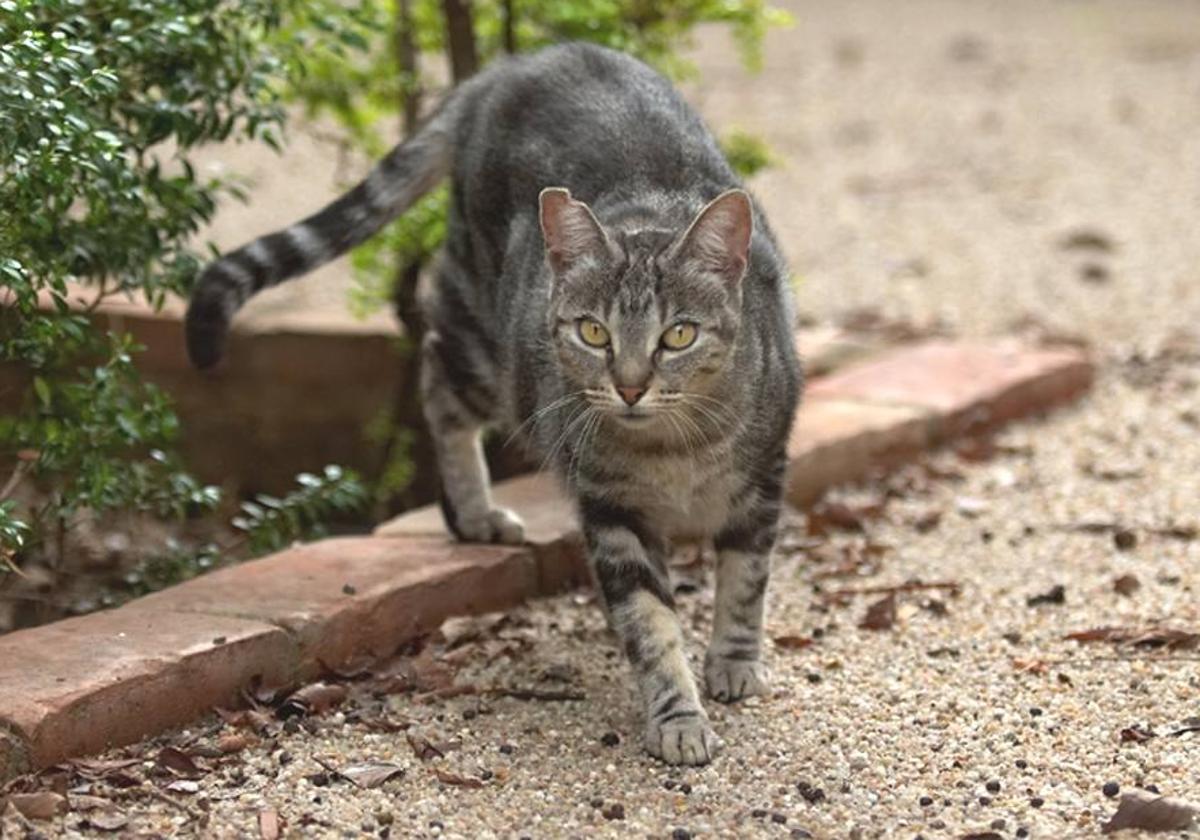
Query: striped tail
{"type": "Point", "coordinates": [408, 171]}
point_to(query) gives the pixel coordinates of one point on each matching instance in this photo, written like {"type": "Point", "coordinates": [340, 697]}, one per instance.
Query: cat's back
{"type": "Point", "coordinates": [584, 117]}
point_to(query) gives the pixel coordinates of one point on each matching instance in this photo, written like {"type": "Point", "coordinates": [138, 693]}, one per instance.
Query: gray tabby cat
{"type": "Point", "coordinates": [642, 341]}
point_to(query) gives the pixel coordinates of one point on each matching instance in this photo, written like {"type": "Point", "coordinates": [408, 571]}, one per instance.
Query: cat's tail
{"type": "Point", "coordinates": [408, 171]}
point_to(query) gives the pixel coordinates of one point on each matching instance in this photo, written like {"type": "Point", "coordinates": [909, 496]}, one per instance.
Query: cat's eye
{"type": "Point", "coordinates": [679, 337]}
{"type": "Point", "coordinates": [593, 333]}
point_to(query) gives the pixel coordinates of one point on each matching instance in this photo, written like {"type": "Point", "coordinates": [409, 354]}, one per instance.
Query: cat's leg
{"type": "Point", "coordinates": [733, 666]}
{"type": "Point", "coordinates": [456, 413]}
{"type": "Point", "coordinates": [629, 566]}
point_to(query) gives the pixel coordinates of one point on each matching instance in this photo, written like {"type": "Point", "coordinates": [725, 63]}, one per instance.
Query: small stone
{"type": "Point", "coordinates": [759, 813]}
{"type": "Point", "coordinates": [616, 811]}
{"type": "Point", "coordinates": [925, 801]}
{"type": "Point", "coordinates": [993, 786]}
{"type": "Point", "coordinates": [507, 749]}
{"type": "Point", "coordinates": [1111, 789]}
{"type": "Point", "coordinates": [1022, 832]}
{"type": "Point", "coordinates": [1125, 540]}
{"type": "Point", "coordinates": [778, 819]}
{"type": "Point", "coordinates": [1037, 802]}
{"type": "Point", "coordinates": [985, 801]}
{"type": "Point", "coordinates": [813, 677]}
{"type": "Point", "coordinates": [1034, 711]}
{"type": "Point", "coordinates": [610, 739]}
{"type": "Point", "coordinates": [685, 788]}
{"type": "Point", "coordinates": [1022, 764]}
{"type": "Point", "coordinates": [597, 803]}
{"type": "Point", "coordinates": [801, 834]}
{"type": "Point", "coordinates": [999, 823]}
{"type": "Point", "coordinates": [681, 834]}
{"type": "Point", "coordinates": [348, 589]}
{"type": "Point", "coordinates": [384, 817]}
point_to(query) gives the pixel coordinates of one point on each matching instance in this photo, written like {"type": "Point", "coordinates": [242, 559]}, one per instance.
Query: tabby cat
{"type": "Point", "coordinates": [607, 288]}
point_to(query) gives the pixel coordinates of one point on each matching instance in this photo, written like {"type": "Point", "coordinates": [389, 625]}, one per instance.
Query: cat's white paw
{"type": "Point", "coordinates": [687, 740]}
{"type": "Point", "coordinates": [500, 525]}
{"type": "Point", "coordinates": [729, 680]}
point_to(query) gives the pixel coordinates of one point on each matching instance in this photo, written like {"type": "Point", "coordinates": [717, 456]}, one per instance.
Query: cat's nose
{"type": "Point", "coordinates": [630, 395]}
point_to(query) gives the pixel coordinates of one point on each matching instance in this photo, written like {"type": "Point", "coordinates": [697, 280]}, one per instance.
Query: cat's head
{"type": "Point", "coordinates": [644, 323]}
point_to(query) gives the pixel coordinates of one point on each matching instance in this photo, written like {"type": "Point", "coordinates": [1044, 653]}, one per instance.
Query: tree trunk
{"type": "Point", "coordinates": [510, 27]}
{"type": "Point", "coordinates": [460, 39]}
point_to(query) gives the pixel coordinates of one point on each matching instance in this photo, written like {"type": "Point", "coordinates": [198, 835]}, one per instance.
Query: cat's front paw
{"type": "Point", "coordinates": [500, 525]}
{"type": "Point", "coordinates": [729, 680]}
{"type": "Point", "coordinates": [685, 740]}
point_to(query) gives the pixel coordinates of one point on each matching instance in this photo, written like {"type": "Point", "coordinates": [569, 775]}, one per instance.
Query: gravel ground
{"type": "Point", "coordinates": [987, 166]}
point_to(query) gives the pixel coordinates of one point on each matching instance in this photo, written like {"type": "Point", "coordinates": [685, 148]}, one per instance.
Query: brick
{"type": "Point", "coordinates": [551, 528]}
{"type": "Point", "coordinates": [342, 598]}
{"type": "Point", "coordinates": [837, 441]}
{"type": "Point", "coordinates": [970, 386]}
{"type": "Point", "coordinates": [87, 684]}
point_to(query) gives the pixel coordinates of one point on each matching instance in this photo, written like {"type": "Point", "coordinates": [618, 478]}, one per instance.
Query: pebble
{"type": "Point", "coordinates": [1111, 789]}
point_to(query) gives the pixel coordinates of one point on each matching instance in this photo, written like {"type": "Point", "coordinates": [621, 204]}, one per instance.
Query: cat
{"type": "Point", "coordinates": [608, 288]}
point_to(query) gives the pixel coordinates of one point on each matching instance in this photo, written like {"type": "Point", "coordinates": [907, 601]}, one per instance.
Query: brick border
{"type": "Point", "coordinates": [86, 684]}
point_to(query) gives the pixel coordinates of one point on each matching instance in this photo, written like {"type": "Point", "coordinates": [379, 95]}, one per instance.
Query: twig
{"type": "Point", "coordinates": [915, 586]}
{"type": "Point", "coordinates": [13, 480]}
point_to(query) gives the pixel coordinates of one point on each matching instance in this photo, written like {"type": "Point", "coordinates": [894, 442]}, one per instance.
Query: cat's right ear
{"type": "Point", "coordinates": [571, 232]}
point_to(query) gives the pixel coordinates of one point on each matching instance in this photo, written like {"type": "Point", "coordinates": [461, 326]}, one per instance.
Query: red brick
{"type": "Point", "coordinates": [969, 386]}
{"type": "Point", "coordinates": [86, 684]}
{"type": "Point", "coordinates": [838, 441]}
{"type": "Point", "coordinates": [341, 598]}
{"type": "Point", "coordinates": [551, 528]}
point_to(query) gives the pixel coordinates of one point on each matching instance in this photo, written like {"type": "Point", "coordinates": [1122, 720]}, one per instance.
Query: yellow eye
{"type": "Point", "coordinates": [593, 333]}
{"type": "Point", "coordinates": [679, 337]}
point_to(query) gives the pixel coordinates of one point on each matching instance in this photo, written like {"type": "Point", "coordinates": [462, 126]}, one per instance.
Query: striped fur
{"type": "Point", "coordinates": [409, 171]}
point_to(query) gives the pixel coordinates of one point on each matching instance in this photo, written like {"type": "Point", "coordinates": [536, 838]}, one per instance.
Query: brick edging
{"type": "Point", "coordinates": [84, 684]}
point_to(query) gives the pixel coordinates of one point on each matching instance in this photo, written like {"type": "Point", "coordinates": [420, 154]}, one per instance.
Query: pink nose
{"type": "Point", "coordinates": [630, 395]}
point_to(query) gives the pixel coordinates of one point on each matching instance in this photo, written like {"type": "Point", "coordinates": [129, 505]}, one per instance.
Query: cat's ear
{"type": "Point", "coordinates": [571, 232]}
{"type": "Point", "coordinates": [718, 240]}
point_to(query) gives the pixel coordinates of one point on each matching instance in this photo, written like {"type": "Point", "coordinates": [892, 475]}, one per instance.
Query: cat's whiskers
{"type": "Point", "coordinates": [560, 403]}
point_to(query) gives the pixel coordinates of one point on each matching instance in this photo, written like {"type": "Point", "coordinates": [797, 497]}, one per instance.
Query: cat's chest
{"type": "Point", "coordinates": [684, 498]}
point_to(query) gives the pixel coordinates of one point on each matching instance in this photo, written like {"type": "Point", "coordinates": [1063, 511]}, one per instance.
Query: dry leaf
{"type": "Point", "coordinates": [881, 615]}
{"type": "Point", "coordinates": [233, 742]}
{"type": "Point", "coordinates": [423, 748]}
{"type": "Point", "coordinates": [269, 827]}
{"type": "Point", "coordinates": [178, 762]}
{"type": "Point", "coordinates": [43, 805]}
{"type": "Point", "coordinates": [1126, 585]}
{"type": "Point", "coordinates": [1030, 666]}
{"type": "Point", "coordinates": [108, 819]}
{"type": "Point", "coordinates": [371, 774]}
{"type": "Point", "coordinates": [1150, 637]}
{"type": "Point", "coordinates": [313, 699]}
{"type": "Point", "coordinates": [793, 642]}
{"type": "Point", "coordinates": [1150, 812]}
{"type": "Point", "coordinates": [184, 786]}
{"type": "Point", "coordinates": [446, 777]}
{"type": "Point", "coordinates": [1136, 734]}
{"type": "Point", "coordinates": [245, 719]}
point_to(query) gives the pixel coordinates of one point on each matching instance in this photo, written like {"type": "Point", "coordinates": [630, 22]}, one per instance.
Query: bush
{"type": "Point", "coordinates": [101, 102]}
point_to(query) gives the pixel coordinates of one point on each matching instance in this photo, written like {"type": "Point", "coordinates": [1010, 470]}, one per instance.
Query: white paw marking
{"type": "Point", "coordinates": [500, 525]}
{"type": "Point", "coordinates": [729, 680]}
{"type": "Point", "coordinates": [688, 740]}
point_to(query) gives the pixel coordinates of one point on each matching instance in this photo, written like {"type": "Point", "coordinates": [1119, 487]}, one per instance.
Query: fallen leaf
{"type": "Point", "coordinates": [233, 742]}
{"type": "Point", "coordinates": [253, 719]}
{"type": "Point", "coordinates": [1149, 812]}
{"type": "Point", "coordinates": [448, 778]}
{"type": "Point", "coordinates": [184, 786]}
{"type": "Point", "coordinates": [1126, 585]}
{"type": "Point", "coordinates": [178, 762]}
{"type": "Point", "coordinates": [1055, 595]}
{"type": "Point", "coordinates": [269, 827]}
{"type": "Point", "coordinates": [42, 805]}
{"type": "Point", "coordinates": [793, 642]}
{"type": "Point", "coordinates": [313, 699]}
{"type": "Point", "coordinates": [1030, 666]}
{"type": "Point", "coordinates": [423, 748]}
{"type": "Point", "coordinates": [881, 615]}
{"type": "Point", "coordinates": [839, 516]}
{"type": "Point", "coordinates": [108, 819]}
{"type": "Point", "coordinates": [1136, 734]}
{"type": "Point", "coordinates": [371, 774]}
{"type": "Point", "coordinates": [84, 802]}
{"type": "Point", "coordinates": [1168, 638]}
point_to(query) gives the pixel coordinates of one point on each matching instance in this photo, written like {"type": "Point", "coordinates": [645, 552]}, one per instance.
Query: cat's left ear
{"type": "Point", "coordinates": [718, 240]}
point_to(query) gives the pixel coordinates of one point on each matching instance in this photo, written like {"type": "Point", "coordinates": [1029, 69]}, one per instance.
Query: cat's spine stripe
{"type": "Point", "coordinates": [409, 171]}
